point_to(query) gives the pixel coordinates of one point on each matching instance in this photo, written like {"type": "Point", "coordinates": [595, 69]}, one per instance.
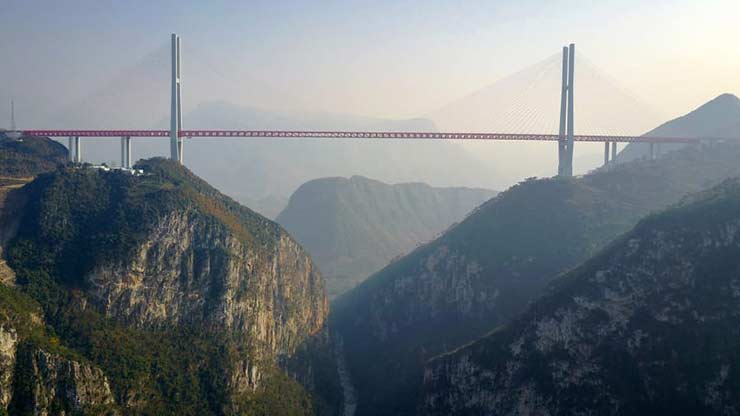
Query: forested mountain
{"type": "Point", "coordinates": [353, 227]}
{"type": "Point", "coordinates": [156, 294]}
{"type": "Point", "coordinates": [485, 270]}
{"type": "Point", "coordinates": [649, 326]}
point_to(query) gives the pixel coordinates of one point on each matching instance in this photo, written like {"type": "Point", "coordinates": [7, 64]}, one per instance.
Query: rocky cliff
{"type": "Point", "coordinates": [191, 270]}
{"type": "Point", "coordinates": [485, 270]}
{"type": "Point", "coordinates": [188, 302]}
{"type": "Point", "coordinates": [352, 227]}
{"type": "Point", "coordinates": [648, 326]}
{"type": "Point", "coordinates": [37, 375]}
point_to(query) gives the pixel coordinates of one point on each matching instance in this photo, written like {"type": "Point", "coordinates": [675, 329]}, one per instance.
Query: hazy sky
{"type": "Point", "coordinates": [380, 58]}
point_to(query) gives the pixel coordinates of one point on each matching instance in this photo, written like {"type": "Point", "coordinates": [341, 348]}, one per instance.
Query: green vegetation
{"type": "Point", "coordinates": [282, 397]}
{"type": "Point", "coordinates": [78, 218]}
{"type": "Point", "coordinates": [106, 215]}
{"type": "Point", "coordinates": [22, 313]}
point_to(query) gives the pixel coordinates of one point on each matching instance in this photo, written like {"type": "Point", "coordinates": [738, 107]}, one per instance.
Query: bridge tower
{"type": "Point", "coordinates": [567, 128]}
{"type": "Point", "coordinates": [176, 143]}
{"type": "Point", "coordinates": [13, 133]}
{"type": "Point", "coordinates": [12, 115]}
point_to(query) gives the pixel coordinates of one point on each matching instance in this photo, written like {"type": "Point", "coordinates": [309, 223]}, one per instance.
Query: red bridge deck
{"type": "Point", "coordinates": [357, 135]}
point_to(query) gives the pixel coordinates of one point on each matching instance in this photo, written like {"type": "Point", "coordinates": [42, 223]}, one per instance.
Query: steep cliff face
{"type": "Point", "coordinates": [484, 271]}
{"type": "Point", "coordinates": [190, 270]}
{"type": "Point", "coordinates": [174, 290]}
{"type": "Point", "coordinates": [8, 346]}
{"type": "Point", "coordinates": [37, 376]}
{"type": "Point", "coordinates": [50, 384]}
{"type": "Point", "coordinates": [354, 226]}
{"type": "Point", "coordinates": [648, 326]}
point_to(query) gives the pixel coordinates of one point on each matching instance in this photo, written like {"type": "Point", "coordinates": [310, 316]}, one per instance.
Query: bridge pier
{"type": "Point", "coordinates": [75, 149]}
{"type": "Point", "coordinates": [610, 159]}
{"type": "Point", "coordinates": [78, 150]}
{"type": "Point", "coordinates": [652, 151]}
{"type": "Point", "coordinates": [126, 152]}
{"type": "Point", "coordinates": [70, 149]}
{"type": "Point", "coordinates": [614, 152]}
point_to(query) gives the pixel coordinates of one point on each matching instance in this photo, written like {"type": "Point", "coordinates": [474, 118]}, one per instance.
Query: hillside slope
{"type": "Point", "coordinates": [484, 271]}
{"type": "Point", "coordinates": [648, 326]}
{"type": "Point", "coordinates": [187, 302]}
{"type": "Point", "coordinates": [720, 117]}
{"type": "Point", "coordinates": [30, 156]}
{"type": "Point", "coordinates": [353, 227]}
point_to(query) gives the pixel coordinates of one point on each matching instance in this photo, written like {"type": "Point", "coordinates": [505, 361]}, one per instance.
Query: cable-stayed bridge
{"type": "Point", "coordinates": [564, 132]}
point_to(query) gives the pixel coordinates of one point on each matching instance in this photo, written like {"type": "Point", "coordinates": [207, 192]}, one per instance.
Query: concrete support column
{"type": "Point", "coordinates": [606, 153]}
{"type": "Point", "coordinates": [614, 152]}
{"type": "Point", "coordinates": [180, 149]}
{"type": "Point", "coordinates": [78, 150]}
{"type": "Point", "coordinates": [128, 153]}
{"type": "Point", "coordinates": [123, 152]}
{"type": "Point", "coordinates": [652, 151]}
{"type": "Point", "coordinates": [70, 147]}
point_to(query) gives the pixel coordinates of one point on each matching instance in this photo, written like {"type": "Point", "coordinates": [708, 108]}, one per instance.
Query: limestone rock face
{"type": "Point", "coordinates": [55, 385]}
{"type": "Point", "coordinates": [34, 381]}
{"type": "Point", "coordinates": [8, 346]}
{"type": "Point", "coordinates": [649, 326]}
{"type": "Point", "coordinates": [191, 270]}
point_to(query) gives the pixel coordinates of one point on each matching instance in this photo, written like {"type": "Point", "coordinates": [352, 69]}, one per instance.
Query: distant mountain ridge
{"type": "Point", "coordinates": [718, 118]}
{"type": "Point", "coordinates": [353, 227]}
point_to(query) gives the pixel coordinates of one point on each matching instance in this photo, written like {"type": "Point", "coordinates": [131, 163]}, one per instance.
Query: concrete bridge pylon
{"type": "Point", "coordinates": [567, 120]}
